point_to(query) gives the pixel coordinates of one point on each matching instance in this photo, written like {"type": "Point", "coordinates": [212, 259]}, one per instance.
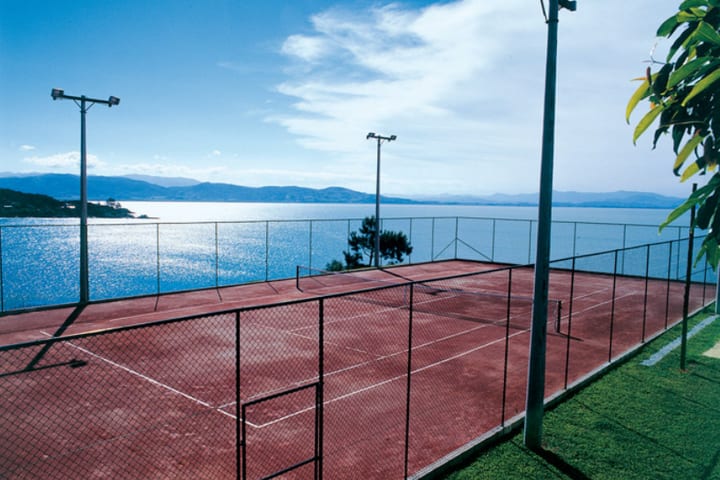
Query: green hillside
{"type": "Point", "coordinates": [18, 204]}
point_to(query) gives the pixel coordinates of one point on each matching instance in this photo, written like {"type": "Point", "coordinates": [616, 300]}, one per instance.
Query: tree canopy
{"type": "Point", "coordinates": [393, 247]}
{"type": "Point", "coordinates": [684, 94]}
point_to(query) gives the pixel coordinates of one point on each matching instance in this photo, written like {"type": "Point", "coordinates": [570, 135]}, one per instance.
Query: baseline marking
{"type": "Point", "coordinates": [147, 379]}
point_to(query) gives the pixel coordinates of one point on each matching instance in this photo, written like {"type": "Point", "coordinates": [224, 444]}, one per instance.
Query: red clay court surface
{"type": "Point", "coordinates": [161, 401]}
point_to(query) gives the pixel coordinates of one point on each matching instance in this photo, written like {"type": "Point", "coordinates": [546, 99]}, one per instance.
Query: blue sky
{"type": "Point", "coordinates": [283, 92]}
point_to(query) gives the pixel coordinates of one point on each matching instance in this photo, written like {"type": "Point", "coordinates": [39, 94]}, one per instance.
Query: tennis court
{"type": "Point", "coordinates": [376, 374]}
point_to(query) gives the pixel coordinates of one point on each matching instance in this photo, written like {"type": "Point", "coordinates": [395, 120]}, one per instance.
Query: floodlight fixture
{"type": "Point", "coordinates": [84, 103]}
{"type": "Point", "coordinates": [379, 138]}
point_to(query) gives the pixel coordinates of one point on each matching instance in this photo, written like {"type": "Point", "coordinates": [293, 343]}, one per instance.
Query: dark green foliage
{"type": "Point", "coordinates": [18, 204]}
{"type": "Point", "coordinates": [393, 247]}
{"type": "Point", "coordinates": [685, 94]}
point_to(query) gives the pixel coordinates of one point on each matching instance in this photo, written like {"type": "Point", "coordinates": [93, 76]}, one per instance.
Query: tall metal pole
{"type": "Point", "coordinates": [84, 268]}
{"type": "Point", "coordinates": [376, 248]}
{"type": "Point", "coordinates": [84, 103]}
{"type": "Point", "coordinates": [534, 406]}
{"type": "Point", "coordinates": [377, 209]}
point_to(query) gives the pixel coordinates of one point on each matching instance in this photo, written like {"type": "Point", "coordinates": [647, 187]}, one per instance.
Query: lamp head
{"type": "Point", "coordinates": [370, 135]}
{"type": "Point", "coordinates": [392, 137]}
{"type": "Point", "coordinates": [113, 101]}
{"type": "Point", "coordinates": [57, 93]}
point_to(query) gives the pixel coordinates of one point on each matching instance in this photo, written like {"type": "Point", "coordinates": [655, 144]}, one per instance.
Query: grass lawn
{"type": "Point", "coordinates": [636, 422]}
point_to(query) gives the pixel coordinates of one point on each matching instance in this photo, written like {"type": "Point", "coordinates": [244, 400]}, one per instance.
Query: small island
{"type": "Point", "coordinates": [19, 204]}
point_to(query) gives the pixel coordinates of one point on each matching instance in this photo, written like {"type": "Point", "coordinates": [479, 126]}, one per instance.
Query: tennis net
{"type": "Point", "coordinates": [452, 298]}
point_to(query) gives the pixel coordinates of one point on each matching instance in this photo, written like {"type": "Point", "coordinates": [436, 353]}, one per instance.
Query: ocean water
{"type": "Point", "coordinates": [202, 245]}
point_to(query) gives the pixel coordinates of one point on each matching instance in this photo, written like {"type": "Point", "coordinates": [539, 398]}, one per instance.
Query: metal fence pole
{"type": "Point", "coordinates": [320, 409]}
{"type": "Point", "coordinates": [492, 249]}
{"type": "Point", "coordinates": [569, 328]}
{"type": "Point", "coordinates": [612, 307]}
{"type": "Point", "coordinates": [507, 347]}
{"type": "Point", "coordinates": [310, 244]}
{"type": "Point", "coordinates": [239, 439]}
{"type": "Point", "coordinates": [267, 249]}
{"type": "Point", "coordinates": [409, 378]}
{"type": "Point", "coordinates": [645, 300]}
{"type": "Point", "coordinates": [457, 220]}
{"type": "Point", "coordinates": [157, 255]}
{"type": "Point", "coordinates": [688, 279]}
{"type": "Point", "coordinates": [217, 258]}
{"type": "Point", "coordinates": [2, 277]}
{"type": "Point", "coordinates": [432, 241]}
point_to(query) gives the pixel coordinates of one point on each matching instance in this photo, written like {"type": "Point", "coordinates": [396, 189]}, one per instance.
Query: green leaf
{"type": "Point", "coordinates": [642, 92]}
{"type": "Point", "coordinates": [646, 121]}
{"type": "Point", "coordinates": [701, 86]}
{"type": "Point", "coordinates": [688, 4]}
{"type": "Point", "coordinates": [695, 198]}
{"type": "Point", "coordinates": [668, 26]}
{"type": "Point", "coordinates": [691, 67]}
{"type": "Point", "coordinates": [690, 171]}
{"type": "Point", "coordinates": [689, 147]}
{"type": "Point", "coordinates": [707, 33]}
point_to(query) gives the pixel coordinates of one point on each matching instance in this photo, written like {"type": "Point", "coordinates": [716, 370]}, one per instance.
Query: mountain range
{"type": "Point", "coordinates": [150, 188]}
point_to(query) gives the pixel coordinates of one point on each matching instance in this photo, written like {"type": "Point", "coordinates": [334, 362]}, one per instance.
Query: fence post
{"type": "Point", "coordinates": [507, 347]}
{"type": "Point", "coordinates": [409, 376]}
{"type": "Point", "coordinates": [569, 328]}
{"type": "Point", "coordinates": [310, 245]}
{"type": "Point", "coordinates": [432, 241]}
{"type": "Point", "coordinates": [157, 255]}
{"type": "Point", "coordinates": [2, 278]}
{"type": "Point", "coordinates": [688, 275]}
{"type": "Point", "coordinates": [217, 258]}
{"type": "Point", "coordinates": [319, 408]}
{"type": "Point", "coordinates": [239, 439]}
{"type": "Point", "coordinates": [645, 300]}
{"type": "Point", "coordinates": [612, 307]}
{"type": "Point", "coordinates": [267, 249]}
{"type": "Point", "coordinates": [492, 247]}
{"type": "Point", "coordinates": [457, 220]}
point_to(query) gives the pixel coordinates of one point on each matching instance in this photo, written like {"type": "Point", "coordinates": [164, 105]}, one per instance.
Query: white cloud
{"type": "Point", "coordinates": [26, 148]}
{"type": "Point", "coordinates": [461, 83]}
{"type": "Point", "coordinates": [68, 161]}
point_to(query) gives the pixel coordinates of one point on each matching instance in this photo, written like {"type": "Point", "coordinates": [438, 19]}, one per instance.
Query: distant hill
{"type": "Point", "coordinates": [151, 188]}
{"type": "Point", "coordinates": [19, 204]}
{"type": "Point", "coordinates": [620, 199]}
{"type": "Point", "coordinates": [66, 187]}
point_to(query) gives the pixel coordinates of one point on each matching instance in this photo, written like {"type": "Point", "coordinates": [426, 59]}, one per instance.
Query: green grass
{"type": "Point", "coordinates": [636, 422]}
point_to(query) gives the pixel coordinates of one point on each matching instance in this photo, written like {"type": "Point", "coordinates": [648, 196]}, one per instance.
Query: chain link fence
{"type": "Point", "coordinates": [375, 383]}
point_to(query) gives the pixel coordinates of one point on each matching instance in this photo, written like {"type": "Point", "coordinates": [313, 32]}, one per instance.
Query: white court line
{"type": "Point", "coordinates": [399, 377]}
{"type": "Point", "coordinates": [663, 352]}
{"type": "Point", "coordinates": [378, 359]}
{"type": "Point", "coordinates": [147, 379]}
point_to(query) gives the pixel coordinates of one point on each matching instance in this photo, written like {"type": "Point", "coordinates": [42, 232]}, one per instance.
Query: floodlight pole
{"type": "Point", "coordinates": [535, 400]}
{"type": "Point", "coordinates": [379, 138]}
{"type": "Point", "coordinates": [84, 103]}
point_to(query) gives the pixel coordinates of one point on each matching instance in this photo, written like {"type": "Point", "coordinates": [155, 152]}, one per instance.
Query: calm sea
{"type": "Point", "coordinates": [200, 245]}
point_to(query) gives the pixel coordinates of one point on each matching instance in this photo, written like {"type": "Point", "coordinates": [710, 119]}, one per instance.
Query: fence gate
{"type": "Point", "coordinates": [282, 432]}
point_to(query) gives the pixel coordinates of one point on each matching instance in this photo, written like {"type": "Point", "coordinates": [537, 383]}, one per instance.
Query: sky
{"type": "Point", "coordinates": [278, 92]}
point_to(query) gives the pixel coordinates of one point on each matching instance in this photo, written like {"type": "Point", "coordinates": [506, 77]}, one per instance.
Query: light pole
{"type": "Point", "coordinates": [379, 138]}
{"type": "Point", "coordinates": [84, 103]}
{"type": "Point", "coordinates": [535, 395]}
